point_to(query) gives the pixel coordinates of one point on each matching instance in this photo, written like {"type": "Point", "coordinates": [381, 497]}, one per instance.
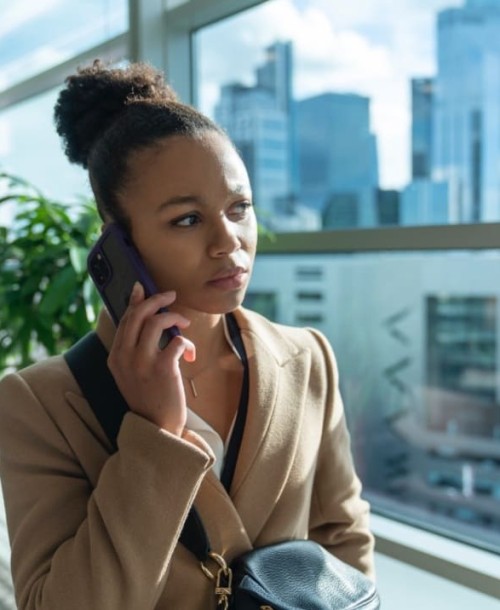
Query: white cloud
{"type": "Point", "coordinates": [363, 13]}
{"type": "Point", "coordinates": [370, 47]}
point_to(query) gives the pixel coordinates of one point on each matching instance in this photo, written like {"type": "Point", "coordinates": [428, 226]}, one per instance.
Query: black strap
{"type": "Point", "coordinates": [239, 425]}
{"type": "Point", "coordinates": [87, 360]}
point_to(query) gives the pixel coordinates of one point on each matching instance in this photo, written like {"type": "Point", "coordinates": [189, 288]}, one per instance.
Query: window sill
{"type": "Point", "coordinates": [455, 561]}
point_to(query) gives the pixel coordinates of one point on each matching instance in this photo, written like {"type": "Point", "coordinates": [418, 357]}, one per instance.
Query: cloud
{"type": "Point", "coordinates": [370, 47]}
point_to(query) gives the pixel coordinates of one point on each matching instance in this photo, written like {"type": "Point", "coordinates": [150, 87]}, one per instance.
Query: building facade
{"type": "Point", "coordinates": [466, 130]}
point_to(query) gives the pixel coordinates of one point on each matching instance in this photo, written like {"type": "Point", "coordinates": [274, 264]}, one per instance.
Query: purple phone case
{"type": "Point", "coordinates": [114, 264]}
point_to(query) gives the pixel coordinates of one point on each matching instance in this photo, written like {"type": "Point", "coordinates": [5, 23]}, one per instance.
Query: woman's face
{"type": "Point", "coordinates": [190, 209]}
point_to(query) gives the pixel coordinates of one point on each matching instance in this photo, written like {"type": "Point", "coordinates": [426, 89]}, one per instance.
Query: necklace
{"type": "Point", "coordinates": [190, 381]}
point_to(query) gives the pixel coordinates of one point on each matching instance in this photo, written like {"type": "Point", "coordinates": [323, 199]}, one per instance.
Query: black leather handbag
{"type": "Point", "coordinates": [291, 575]}
{"type": "Point", "coordinates": [298, 575]}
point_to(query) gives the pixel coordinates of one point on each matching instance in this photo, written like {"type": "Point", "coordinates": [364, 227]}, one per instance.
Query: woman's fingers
{"type": "Point", "coordinates": [179, 347]}
{"type": "Point", "coordinates": [148, 377]}
{"type": "Point", "coordinates": [147, 343]}
{"type": "Point", "coordinates": [139, 310]}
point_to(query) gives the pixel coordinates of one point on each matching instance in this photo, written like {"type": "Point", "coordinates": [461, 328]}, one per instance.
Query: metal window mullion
{"type": "Point", "coordinates": [146, 32]}
{"type": "Point", "coordinates": [427, 238]}
{"type": "Point", "coordinates": [199, 13]}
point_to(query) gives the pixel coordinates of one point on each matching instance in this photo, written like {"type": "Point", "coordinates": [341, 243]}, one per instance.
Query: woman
{"type": "Point", "coordinates": [92, 529]}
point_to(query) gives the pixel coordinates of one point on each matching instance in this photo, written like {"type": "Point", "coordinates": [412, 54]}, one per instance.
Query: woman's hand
{"type": "Point", "coordinates": [149, 378]}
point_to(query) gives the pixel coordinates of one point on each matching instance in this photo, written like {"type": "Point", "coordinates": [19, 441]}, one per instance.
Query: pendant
{"type": "Point", "coordinates": [193, 387]}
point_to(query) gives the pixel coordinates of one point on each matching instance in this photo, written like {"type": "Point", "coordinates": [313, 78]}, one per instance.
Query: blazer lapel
{"type": "Point", "coordinates": [278, 384]}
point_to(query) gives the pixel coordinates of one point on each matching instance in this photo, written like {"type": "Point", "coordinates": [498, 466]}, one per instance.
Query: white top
{"type": "Point", "coordinates": [200, 426]}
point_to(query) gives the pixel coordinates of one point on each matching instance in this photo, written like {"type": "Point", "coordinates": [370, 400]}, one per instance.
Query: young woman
{"type": "Point", "coordinates": [93, 529]}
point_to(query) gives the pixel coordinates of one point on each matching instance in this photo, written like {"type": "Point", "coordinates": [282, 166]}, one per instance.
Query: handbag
{"type": "Point", "coordinates": [299, 575]}
{"type": "Point", "coordinates": [289, 575]}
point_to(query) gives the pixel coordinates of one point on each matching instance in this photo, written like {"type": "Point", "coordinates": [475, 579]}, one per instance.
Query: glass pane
{"type": "Point", "coordinates": [35, 36]}
{"type": "Point", "coordinates": [31, 149]}
{"type": "Point", "coordinates": [362, 114]}
{"type": "Point", "coordinates": [419, 370]}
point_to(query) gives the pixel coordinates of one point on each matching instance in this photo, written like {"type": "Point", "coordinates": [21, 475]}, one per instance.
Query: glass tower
{"type": "Point", "coordinates": [466, 134]}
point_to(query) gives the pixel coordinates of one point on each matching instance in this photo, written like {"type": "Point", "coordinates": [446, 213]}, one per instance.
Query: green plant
{"type": "Point", "coordinates": [47, 300]}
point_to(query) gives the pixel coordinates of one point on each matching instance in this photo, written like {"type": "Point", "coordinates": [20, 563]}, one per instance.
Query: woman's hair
{"type": "Point", "coordinates": [104, 114]}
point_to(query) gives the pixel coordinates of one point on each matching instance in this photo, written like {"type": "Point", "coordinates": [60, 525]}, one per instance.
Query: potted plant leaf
{"type": "Point", "coordinates": [47, 300]}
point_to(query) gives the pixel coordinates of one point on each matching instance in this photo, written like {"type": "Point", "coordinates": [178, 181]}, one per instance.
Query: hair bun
{"type": "Point", "coordinates": [96, 95]}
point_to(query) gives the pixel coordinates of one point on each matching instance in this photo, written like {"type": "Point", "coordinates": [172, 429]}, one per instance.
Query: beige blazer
{"type": "Point", "coordinates": [90, 530]}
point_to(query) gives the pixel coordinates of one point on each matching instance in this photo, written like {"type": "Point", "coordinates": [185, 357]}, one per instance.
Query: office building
{"type": "Point", "coordinates": [466, 127]}
{"type": "Point", "coordinates": [422, 90]}
{"type": "Point", "coordinates": [338, 169]}
{"type": "Point", "coordinates": [259, 131]}
{"type": "Point", "coordinates": [424, 202]}
{"type": "Point", "coordinates": [416, 337]}
{"type": "Point", "coordinates": [257, 118]}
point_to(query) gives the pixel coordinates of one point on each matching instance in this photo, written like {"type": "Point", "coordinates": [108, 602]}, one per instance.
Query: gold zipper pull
{"type": "Point", "coordinates": [223, 580]}
{"type": "Point", "coordinates": [223, 586]}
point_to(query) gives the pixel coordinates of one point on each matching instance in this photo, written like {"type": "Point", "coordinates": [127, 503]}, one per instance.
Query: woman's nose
{"type": "Point", "coordinates": [224, 238]}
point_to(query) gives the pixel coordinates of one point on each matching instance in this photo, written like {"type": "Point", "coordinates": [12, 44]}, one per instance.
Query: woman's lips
{"type": "Point", "coordinates": [230, 279]}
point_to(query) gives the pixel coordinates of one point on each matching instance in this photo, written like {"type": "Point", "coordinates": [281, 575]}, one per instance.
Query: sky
{"type": "Point", "coordinates": [370, 47]}
{"type": "Point", "coordinates": [38, 35]}
{"type": "Point", "coordinates": [35, 36]}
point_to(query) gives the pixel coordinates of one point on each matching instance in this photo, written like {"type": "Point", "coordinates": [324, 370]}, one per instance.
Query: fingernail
{"type": "Point", "coordinates": [136, 289]}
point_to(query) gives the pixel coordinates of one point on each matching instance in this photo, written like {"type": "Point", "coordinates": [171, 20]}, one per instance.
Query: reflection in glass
{"type": "Point", "coordinates": [357, 117]}
{"type": "Point", "coordinates": [416, 336]}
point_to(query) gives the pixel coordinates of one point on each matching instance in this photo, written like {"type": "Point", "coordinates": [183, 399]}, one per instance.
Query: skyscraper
{"type": "Point", "coordinates": [422, 90]}
{"type": "Point", "coordinates": [275, 74]}
{"type": "Point", "coordinates": [466, 133]}
{"type": "Point", "coordinates": [258, 120]}
{"type": "Point", "coordinates": [338, 166]}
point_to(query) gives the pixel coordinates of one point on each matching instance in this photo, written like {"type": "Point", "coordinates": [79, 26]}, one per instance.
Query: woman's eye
{"type": "Point", "coordinates": [241, 208]}
{"type": "Point", "coordinates": [186, 221]}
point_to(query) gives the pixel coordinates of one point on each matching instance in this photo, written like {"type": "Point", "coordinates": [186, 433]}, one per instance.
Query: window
{"type": "Point", "coordinates": [416, 338]}
{"type": "Point", "coordinates": [32, 149]}
{"type": "Point", "coordinates": [383, 117]}
{"type": "Point", "coordinates": [40, 43]}
{"type": "Point", "coordinates": [263, 302]}
{"type": "Point", "coordinates": [35, 36]}
{"type": "Point", "coordinates": [388, 116]}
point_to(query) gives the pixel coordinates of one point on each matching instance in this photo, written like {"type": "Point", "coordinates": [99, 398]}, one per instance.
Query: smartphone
{"type": "Point", "coordinates": [114, 264]}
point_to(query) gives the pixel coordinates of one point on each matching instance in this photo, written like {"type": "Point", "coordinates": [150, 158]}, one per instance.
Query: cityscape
{"type": "Point", "coordinates": [314, 164]}
{"type": "Point", "coordinates": [416, 334]}
{"type": "Point", "coordinates": [416, 337]}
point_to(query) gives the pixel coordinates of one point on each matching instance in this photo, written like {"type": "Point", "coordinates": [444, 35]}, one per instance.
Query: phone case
{"type": "Point", "coordinates": [114, 264]}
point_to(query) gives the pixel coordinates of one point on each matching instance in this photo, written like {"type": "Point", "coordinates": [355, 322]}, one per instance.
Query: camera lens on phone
{"type": "Point", "coordinates": [99, 269]}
